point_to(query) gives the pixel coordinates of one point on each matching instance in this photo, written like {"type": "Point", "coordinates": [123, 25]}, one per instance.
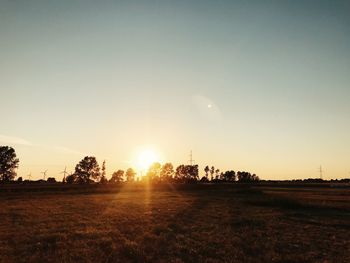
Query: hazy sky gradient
{"type": "Point", "coordinates": [108, 77]}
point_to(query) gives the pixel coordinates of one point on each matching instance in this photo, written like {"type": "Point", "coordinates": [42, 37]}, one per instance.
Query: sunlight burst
{"type": "Point", "coordinates": [146, 158]}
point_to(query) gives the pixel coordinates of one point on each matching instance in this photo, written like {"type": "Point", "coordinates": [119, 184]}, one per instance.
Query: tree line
{"type": "Point", "coordinates": [89, 171]}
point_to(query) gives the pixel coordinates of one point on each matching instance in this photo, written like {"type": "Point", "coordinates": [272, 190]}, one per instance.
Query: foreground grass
{"type": "Point", "coordinates": [203, 223]}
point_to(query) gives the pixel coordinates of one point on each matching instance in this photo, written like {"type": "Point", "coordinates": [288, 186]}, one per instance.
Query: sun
{"type": "Point", "coordinates": [146, 158]}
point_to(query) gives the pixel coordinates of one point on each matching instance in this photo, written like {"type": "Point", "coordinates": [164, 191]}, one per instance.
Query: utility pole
{"type": "Point", "coordinates": [321, 173]}
{"type": "Point", "coordinates": [44, 173]}
{"type": "Point", "coordinates": [191, 161]}
{"type": "Point", "coordinates": [64, 172]}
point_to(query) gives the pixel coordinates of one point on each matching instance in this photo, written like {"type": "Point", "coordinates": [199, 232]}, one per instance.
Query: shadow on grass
{"type": "Point", "coordinates": [258, 198]}
{"type": "Point", "coordinates": [280, 202]}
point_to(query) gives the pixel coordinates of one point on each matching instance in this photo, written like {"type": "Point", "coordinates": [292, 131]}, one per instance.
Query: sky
{"type": "Point", "coordinates": [260, 86]}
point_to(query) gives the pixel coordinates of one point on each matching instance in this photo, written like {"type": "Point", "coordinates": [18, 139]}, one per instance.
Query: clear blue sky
{"type": "Point", "coordinates": [109, 78]}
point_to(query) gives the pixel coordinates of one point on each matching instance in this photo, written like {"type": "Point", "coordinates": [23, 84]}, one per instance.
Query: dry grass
{"type": "Point", "coordinates": [202, 223]}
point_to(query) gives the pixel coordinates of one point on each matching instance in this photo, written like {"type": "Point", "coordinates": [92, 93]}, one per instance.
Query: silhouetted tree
{"type": "Point", "coordinates": [167, 172]}
{"type": "Point", "coordinates": [212, 171]}
{"type": "Point", "coordinates": [153, 172]}
{"type": "Point", "coordinates": [103, 178]}
{"type": "Point", "coordinates": [87, 169]}
{"type": "Point", "coordinates": [229, 176]}
{"type": "Point", "coordinates": [20, 179]}
{"type": "Point", "coordinates": [117, 177]}
{"type": "Point", "coordinates": [204, 180]}
{"type": "Point", "coordinates": [51, 180]}
{"type": "Point", "coordinates": [255, 178]}
{"type": "Point", "coordinates": [8, 163]}
{"type": "Point", "coordinates": [180, 173]}
{"type": "Point", "coordinates": [217, 173]}
{"type": "Point", "coordinates": [241, 176]}
{"type": "Point", "coordinates": [70, 179]}
{"type": "Point", "coordinates": [192, 173]}
{"type": "Point", "coordinates": [245, 177]}
{"type": "Point", "coordinates": [186, 173]}
{"type": "Point", "coordinates": [206, 170]}
{"type": "Point", "coordinates": [130, 175]}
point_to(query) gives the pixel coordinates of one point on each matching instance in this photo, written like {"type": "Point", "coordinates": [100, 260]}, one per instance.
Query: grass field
{"type": "Point", "coordinates": [194, 223]}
